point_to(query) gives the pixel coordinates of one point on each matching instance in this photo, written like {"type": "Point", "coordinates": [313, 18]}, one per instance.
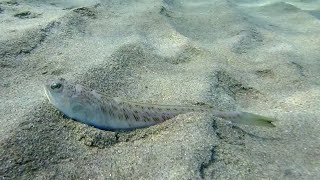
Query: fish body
{"type": "Point", "coordinates": [109, 113]}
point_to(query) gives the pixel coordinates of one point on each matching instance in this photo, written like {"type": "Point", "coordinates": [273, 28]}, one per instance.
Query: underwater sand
{"type": "Point", "coordinates": [256, 56]}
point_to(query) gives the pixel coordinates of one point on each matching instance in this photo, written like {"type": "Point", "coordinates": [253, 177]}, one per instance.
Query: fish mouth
{"type": "Point", "coordinates": [48, 93]}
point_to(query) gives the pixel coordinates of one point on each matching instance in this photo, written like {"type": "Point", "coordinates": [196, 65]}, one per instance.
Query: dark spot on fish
{"type": "Point", "coordinates": [135, 111]}
{"type": "Point", "coordinates": [145, 119]}
{"type": "Point", "coordinates": [104, 109]}
{"type": "Point", "coordinates": [168, 109]}
{"type": "Point", "coordinates": [120, 116]}
{"type": "Point", "coordinates": [126, 116]}
{"type": "Point", "coordinates": [156, 119]}
{"type": "Point", "coordinates": [136, 117]}
{"type": "Point", "coordinates": [111, 113]}
{"type": "Point", "coordinates": [113, 107]}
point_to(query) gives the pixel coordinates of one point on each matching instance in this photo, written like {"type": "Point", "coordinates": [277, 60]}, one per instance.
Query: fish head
{"type": "Point", "coordinates": [60, 93]}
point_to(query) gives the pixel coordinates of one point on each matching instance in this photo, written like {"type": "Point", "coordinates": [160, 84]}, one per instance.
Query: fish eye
{"type": "Point", "coordinates": [56, 85]}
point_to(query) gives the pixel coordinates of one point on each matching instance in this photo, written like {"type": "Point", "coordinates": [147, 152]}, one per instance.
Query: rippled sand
{"type": "Point", "coordinates": [257, 56]}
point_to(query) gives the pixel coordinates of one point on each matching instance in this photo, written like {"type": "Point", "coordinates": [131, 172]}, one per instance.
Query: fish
{"type": "Point", "coordinates": [113, 113]}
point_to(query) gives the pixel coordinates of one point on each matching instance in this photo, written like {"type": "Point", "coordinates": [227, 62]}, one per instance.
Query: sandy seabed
{"type": "Point", "coordinates": [257, 56]}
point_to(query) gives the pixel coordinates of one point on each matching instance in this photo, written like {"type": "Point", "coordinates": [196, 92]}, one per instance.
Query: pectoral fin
{"type": "Point", "coordinates": [80, 113]}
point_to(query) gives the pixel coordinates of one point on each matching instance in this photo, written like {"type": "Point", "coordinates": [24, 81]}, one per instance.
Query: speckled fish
{"type": "Point", "coordinates": [108, 113]}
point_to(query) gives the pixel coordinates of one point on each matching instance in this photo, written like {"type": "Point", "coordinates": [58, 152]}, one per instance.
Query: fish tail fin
{"type": "Point", "coordinates": [246, 118]}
